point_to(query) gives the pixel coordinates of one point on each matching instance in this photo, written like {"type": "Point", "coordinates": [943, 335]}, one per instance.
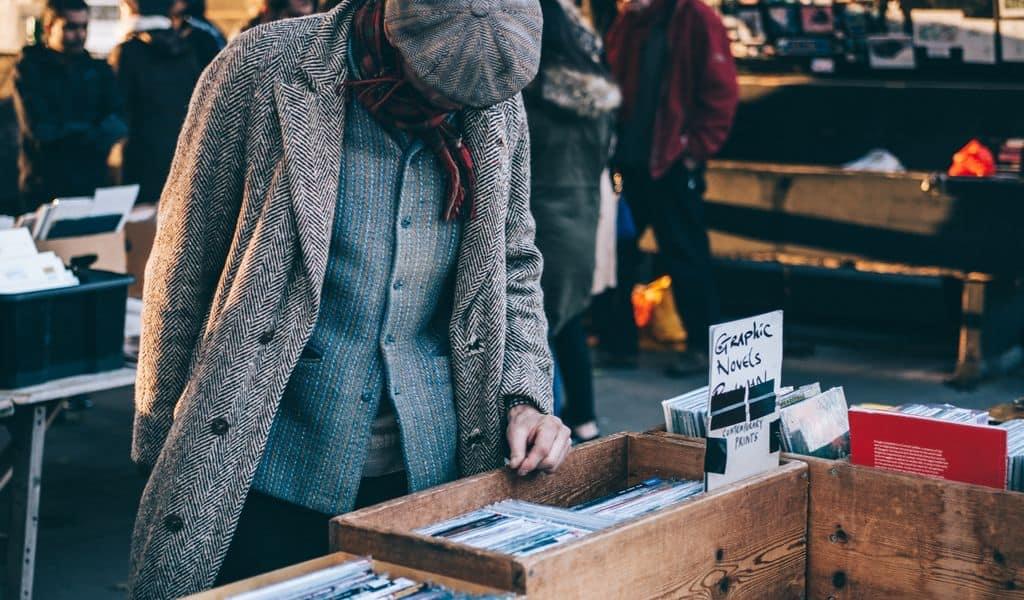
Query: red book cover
{"type": "Point", "coordinates": [930, 447]}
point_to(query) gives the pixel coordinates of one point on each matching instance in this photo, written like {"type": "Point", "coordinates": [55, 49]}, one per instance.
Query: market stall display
{"type": "Point", "coordinates": [745, 538]}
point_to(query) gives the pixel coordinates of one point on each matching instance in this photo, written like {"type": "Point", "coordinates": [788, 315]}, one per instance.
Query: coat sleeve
{"type": "Point", "coordinates": [197, 215]}
{"type": "Point", "coordinates": [527, 367]}
{"type": "Point", "coordinates": [717, 92]}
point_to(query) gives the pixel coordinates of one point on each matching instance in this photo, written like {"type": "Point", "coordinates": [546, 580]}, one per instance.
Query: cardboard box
{"type": "Point", "coordinates": [879, 534]}
{"type": "Point", "coordinates": [747, 540]}
{"type": "Point", "coordinates": [261, 581]}
{"type": "Point", "coordinates": [108, 248]}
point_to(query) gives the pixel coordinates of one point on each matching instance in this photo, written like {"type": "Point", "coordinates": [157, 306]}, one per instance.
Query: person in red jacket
{"type": "Point", "coordinates": [679, 88]}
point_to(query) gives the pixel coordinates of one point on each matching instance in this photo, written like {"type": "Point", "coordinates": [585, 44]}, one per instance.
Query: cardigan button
{"type": "Point", "coordinates": [173, 523]}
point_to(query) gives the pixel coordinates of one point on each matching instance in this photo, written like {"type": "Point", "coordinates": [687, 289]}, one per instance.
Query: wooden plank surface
{"type": "Point", "coordinates": [336, 558]}
{"type": "Point", "coordinates": [885, 200]}
{"type": "Point", "coordinates": [436, 555]}
{"type": "Point", "coordinates": [744, 541]}
{"type": "Point", "coordinates": [70, 386]}
{"type": "Point", "coordinates": [665, 455]}
{"type": "Point", "coordinates": [877, 534]}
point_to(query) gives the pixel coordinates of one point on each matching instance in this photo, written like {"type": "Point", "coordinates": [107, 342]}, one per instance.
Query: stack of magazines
{"type": "Point", "coordinates": [523, 528]}
{"type": "Point", "coordinates": [649, 496]}
{"type": "Point", "coordinates": [946, 412]}
{"type": "Point", "coordinates": [1015, 451]}
{"type": "Point", "coordinates": [516, 527]}
{"type": "Point", "coordinates": [687, 414]}
{"type": "Point", "coordinates": [354, 580]}
{"type": "Point", "coordinates": [815, 423]}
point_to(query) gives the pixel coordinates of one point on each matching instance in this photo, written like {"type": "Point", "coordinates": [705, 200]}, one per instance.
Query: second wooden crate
{"type": "Point", "coordinates": [747, 540]}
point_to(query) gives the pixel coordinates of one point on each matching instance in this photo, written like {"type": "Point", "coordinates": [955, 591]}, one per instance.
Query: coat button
{"type": "Point", "coordinates": [173, 523]}
{"type": "Point", "coordinates": [267, 336]}
{"type": "Point", "coordinates": [219, 426]}
{"type": "Point", "coordinates": [475, 437]}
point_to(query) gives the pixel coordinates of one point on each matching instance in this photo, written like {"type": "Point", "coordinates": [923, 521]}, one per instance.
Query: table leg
{"type": "Point", "coordinates": [28, 431]}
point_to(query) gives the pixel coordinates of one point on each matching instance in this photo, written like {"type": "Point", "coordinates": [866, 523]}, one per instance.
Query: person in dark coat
{"type": "Point", "coordinates": [571, 107]}
{"type": "Point", "coordinates": [191, 14]}
{"type": "Point", "coordinates": [680, 93]}
{"type": "Point", "coordinates": [69, 110]}
{"type": "Point", "coordinates": [157, 67]}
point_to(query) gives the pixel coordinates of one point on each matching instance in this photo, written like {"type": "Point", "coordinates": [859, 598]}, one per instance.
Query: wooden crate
{"type": "Point", "coordinates": [878, 534]}
{"type": "Point", "coordinates": [336, 558]}
{"type": "Point", "coordinates": [744, 541]}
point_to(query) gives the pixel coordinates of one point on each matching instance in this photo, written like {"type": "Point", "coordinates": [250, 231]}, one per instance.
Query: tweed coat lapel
{"type": "Point", "coordinates": [311, 111]}
{"type": "Point", "coordinates": [487, 138]}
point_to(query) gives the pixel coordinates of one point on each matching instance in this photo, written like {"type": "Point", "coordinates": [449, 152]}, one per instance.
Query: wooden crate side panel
{"type": "Point", "coordinates": [875, 534]}
{"type": "Point", "coordinates": [336, 558]}
{"type": "Point", "coordinates": [429, 554]}
{"type": "Point", "coordinates": [435, 504]}
{"type": "Point", "coordinates": [665, 455]}
{"type": "Point", "coordinates": [591, 470]}
{"type": "Point", "coordinates": [748, 541]}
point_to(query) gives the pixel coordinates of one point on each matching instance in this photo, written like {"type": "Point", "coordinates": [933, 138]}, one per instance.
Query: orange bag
{"type": "Point", "coordinates": [973, 160]}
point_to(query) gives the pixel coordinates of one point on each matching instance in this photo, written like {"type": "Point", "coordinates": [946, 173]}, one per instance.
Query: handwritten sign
{"type": "Point", "coordinates": [744, 374]}
{"type": "Point", "coordinates": [749, 451]}
{"type": "Point", "coordinates": [745, 352]}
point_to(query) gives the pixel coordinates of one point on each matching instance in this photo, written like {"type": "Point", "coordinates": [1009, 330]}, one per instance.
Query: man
{"type": "Point", "coordinates": [69, 111]}
{"type": "Point", "coordinates": [191, 15]}
{"type": "Point", "coordinates": [157, 68]}
{"type": "Point", "coordinates": [679, 88]}
{"type": "Point", "coordinates": [343, 299]}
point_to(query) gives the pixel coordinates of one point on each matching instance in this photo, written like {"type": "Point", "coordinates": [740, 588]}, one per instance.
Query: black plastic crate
{"type": "Point", "coordinates": [56, 333]}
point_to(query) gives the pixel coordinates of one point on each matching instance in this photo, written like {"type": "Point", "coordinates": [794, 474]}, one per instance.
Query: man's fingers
{"type": "Point", "coordinates": [558, 452]}
{"type": "Point", "coordinates": [545, 434]}
{"type": "Point", "coordinates": [518, 434]}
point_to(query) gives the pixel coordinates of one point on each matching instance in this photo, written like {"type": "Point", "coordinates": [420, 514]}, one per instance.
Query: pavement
{"type": "Point", "coordinates": [90, 490]}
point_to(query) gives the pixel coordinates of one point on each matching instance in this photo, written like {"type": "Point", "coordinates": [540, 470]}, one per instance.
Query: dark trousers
{"type": "Point", "coordinates": [272, 533]}
{"type": "Point", "coordinates": [674, 207]}
{"type": "Point", "coordinates": [573, 356]}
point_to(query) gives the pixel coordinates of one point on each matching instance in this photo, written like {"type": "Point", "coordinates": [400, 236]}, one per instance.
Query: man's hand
{"type": "Point", "coordinates": [537, 442]}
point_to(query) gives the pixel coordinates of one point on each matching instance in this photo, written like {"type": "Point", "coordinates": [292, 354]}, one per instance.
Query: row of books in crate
{"type": "Point", "coordinates": [858, 34]}
{"type": "Point", "coordinates": [935, 440]}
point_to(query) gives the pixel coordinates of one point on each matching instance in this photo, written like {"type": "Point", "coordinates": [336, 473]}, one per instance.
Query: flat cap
{"type": "Point", "coordinates": [474, 52]}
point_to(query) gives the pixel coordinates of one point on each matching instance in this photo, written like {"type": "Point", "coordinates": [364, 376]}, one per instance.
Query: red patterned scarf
{"type": "Point", "coordinates": [391, 99]}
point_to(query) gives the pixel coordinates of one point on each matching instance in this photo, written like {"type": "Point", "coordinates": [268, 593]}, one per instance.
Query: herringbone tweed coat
{"type": "Point", "coordinates": [233, 288]}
